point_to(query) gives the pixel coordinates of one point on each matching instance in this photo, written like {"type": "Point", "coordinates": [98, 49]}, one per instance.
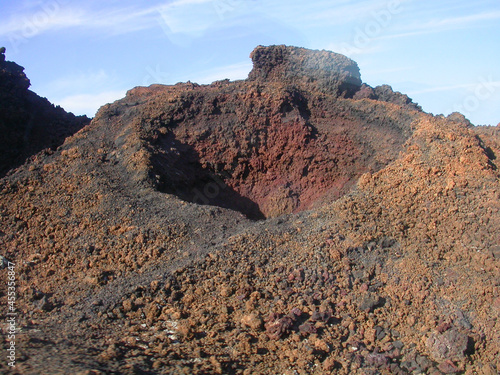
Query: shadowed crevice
{"type": "Point", "coordinates": [182, 174]}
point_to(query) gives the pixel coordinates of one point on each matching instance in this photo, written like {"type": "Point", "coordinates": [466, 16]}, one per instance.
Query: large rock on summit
{"type": "Point", "coordinates": [320, 70]}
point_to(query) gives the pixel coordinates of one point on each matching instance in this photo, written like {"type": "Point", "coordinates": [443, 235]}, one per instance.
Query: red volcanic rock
{"type": "Point", "coordinates": [386, 94]}
{"type": "Point", "coordinates": [450, 344]}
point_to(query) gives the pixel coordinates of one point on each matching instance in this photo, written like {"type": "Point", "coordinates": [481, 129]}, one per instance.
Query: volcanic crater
{"type": "Point", "coordinates": [288, 139]}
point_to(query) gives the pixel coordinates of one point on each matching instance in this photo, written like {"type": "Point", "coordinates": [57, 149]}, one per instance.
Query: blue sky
{"type": "Point", "coordinates": [82, 54]}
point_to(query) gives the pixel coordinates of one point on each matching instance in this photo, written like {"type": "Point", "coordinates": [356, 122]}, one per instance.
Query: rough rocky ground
{"type": "Point", "coordinates": [298, 222]}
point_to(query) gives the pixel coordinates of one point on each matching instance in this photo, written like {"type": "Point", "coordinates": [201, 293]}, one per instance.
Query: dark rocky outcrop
{"type": "Point", "coordinates": [386, 94]}
{"type": "Point", "coordinates": [323, 71]}
{"type": "Point", "coordinates": [28, 123]}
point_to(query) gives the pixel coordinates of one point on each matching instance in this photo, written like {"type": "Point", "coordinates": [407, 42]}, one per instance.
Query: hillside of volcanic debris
{"type": "Point", "coordinates": [297, 222]}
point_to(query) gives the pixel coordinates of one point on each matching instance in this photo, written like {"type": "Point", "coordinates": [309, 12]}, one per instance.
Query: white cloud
{"type": "Point", "coordinates": [192, 17]}
{"type": "Point", "coordinates": [123, 20]}
{"type": "Point", "coordinates": [88, 104]}
{"type": "Point", "coordinates": [438, 25]}
{"type": "Point", "coordinates": [54, 17]}
{"type": "Point", "coordinates": [35, 22]}
{"type": "Point", "coordinates": [188, 2]}
{"type": "Point", "coordinates": [461, 21]}
{"type": "Point", "coordinates": [342, 13]}
{"type": "Point", "coordinates": [184, 19]}
{"type": "Point", "coordinates": [364, 43]}
{"type": "Point", "coordinates": [182, 16]}
{"type": "Point", "coordinates": [352, 50]}
{"type": "Point", "coordinates": [187, 17]}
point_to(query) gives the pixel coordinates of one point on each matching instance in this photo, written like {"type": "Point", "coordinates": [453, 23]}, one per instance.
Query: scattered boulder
{"type": "Point", "coordinates": [369, 301]}
{"type": "Point", "coordinates": [448, 345]}
{"type": "Point", "coordinates": [252, 320]}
